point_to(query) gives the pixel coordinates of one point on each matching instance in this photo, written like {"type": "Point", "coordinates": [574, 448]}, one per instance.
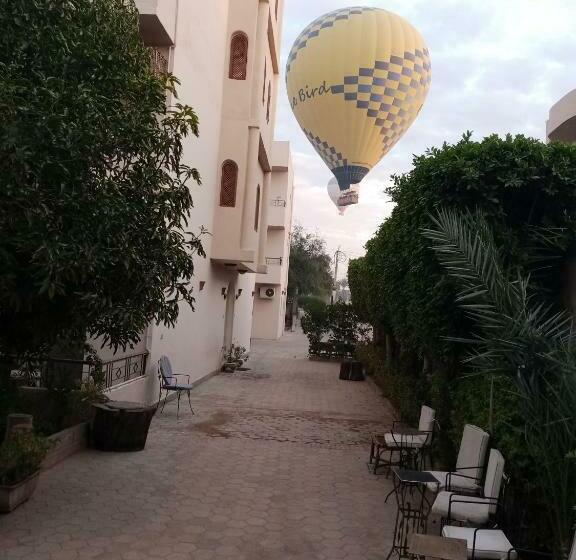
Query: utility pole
{"type": "Point", "coordinates": [339, 256]}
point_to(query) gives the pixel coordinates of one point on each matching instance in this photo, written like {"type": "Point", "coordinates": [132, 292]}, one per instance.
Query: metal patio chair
{"type": "Point", "coordinates": [473, 510]}
{"type": "Point", "coordinates": [467, 476]}
{"type": "Point", "coordinates": [169, 383]}
{"type": "Point", "coordinates": [410, 444]}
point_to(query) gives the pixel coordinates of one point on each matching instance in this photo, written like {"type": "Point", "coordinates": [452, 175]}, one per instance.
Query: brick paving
{"type": "Point", "coordinates": [272, 467]}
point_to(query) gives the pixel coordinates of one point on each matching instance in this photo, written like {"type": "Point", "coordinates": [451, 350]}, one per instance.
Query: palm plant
{"type": "Point", "coordinates": [526, 339]}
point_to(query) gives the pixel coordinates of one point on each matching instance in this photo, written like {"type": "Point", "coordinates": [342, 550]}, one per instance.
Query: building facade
{"type": "Point", "coordinates": [226, 55]}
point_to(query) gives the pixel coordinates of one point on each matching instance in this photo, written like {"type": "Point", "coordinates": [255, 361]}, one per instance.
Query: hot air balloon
{"type": "Point", "coordinates": [334, 194]}
{"type": "Point", "coordinates": [356, 80]}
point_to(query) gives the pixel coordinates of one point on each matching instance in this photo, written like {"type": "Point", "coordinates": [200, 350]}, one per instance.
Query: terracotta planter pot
{"type": "Point", "coordinates": [12, 496]}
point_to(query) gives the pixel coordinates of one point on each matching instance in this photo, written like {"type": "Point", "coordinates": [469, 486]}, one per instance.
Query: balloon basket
{"type": "Point", "coordinates": [347, 198]}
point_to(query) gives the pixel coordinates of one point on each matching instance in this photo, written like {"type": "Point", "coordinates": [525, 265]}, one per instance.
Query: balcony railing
{"type": "Point", "coordinates": [62, 373]}
{"type": "Point", "coordinates": [158, 62]}
{"type": "Point", "coordinates": [124, 369]}
{"type": "Point", "coordinates": [278, 202]}
{"type": "Point", "coordinates": [274, 260]}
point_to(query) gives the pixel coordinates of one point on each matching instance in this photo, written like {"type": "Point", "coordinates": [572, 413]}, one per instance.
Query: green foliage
{"type": "Point", "coordinates": [312, 304]}
{"type": "Point", "coordinates": [21, 456]}
{"type": "Point", "coordinates": [519, 183]}
{"type": "Point", "coordinates": [95, 194]}
{"type": "Point", "coordinates": [405, 392]}
{"type": "Point", "coordinates": [309, 270]}
{"type": "Point", "coordinates": [531, 343]}
{"type": "Point", "coordinates": [335, 328]}
{"type": "Point", "coordinates": [526, 192]}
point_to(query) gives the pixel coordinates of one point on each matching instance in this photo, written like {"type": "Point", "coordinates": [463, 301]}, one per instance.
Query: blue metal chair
{"type": "Point", "coordinates": [169, 382]}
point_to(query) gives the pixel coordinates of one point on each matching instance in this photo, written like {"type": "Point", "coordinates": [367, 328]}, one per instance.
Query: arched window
{"type": "Point", "coordinates": [257, 213]}
{"type": "Point", "coordinates": [238, 56]}
{"type": "Point", "coordinates": [228, 183]}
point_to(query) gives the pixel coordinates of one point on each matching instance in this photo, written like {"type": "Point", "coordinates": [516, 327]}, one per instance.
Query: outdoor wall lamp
{"type": "Point", "coordinates": [239, 293]}
{"type": "Point", "coordinates": [224, 292]}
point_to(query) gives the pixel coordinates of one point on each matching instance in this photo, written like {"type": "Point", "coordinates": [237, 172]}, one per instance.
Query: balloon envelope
{"type": "Point", "coordinates": [356, 80]}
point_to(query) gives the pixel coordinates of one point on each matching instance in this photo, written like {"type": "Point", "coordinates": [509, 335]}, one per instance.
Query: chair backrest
{"type": "Point", "coordinates": [165, 370]}
{"type": "Point", "coordinates": [427, 416]}
{"type": "Point", "coordinates": [494, 475]}
{"type": "Point", "coordinates": [472, 451]}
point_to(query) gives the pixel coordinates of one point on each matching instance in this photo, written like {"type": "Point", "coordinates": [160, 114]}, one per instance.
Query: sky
{"type": "Point", "coordinates": [497, 67]}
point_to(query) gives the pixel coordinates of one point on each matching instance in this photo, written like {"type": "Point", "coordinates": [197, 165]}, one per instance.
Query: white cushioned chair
{"type": "Point", "coordinates": [482, 544]}
{"type": "Point", "coordinates": [467, 476]}
{"type": "Point", "coordinates": [401, 438]}
{"type": "Point", "coordinates": [475, 510]}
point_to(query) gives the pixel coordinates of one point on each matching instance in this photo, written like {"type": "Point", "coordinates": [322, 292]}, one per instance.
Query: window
{"type": "Point", "coordinates": [268, 104]}
{"type": "Point", "coordinates": [228, 184]}
{"type": "Point", "coordinates": [238, 56]}
{"type": "Point", "coordinates": [257, 213]}
{"type": "Point", "coordinates": [264, 84]}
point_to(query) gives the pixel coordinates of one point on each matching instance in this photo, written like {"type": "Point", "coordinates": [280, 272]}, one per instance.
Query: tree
{"type": "Point", "coordinates": [309, 272]}
{"type": "Point", "coordinates": [94, 193]}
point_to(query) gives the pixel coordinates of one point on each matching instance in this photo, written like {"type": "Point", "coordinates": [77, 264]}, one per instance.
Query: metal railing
{"type": "Point", "coordinates": [274, 260]}
{"type": "Point", "coordinates": [278, 202]}
{"type": "Point", "coordinates": [124, 369]}
{"type": "Point", "coordinates": [158, 62]}
{"type": "Point", "coordinates": [62, 373]}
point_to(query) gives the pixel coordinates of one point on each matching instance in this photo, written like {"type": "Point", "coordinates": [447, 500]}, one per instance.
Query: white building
{"type": "Point", "coordinates": [561, 124]}
{"type": "Point", "coordinates": [226, 55]}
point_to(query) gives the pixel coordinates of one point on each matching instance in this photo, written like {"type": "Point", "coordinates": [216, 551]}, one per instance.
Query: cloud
{"type": "Point", "coordinates": [497, 67]}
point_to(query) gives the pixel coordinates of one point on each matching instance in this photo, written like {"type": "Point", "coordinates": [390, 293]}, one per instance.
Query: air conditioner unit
{"type": "Point", "coordinates": [267, 292]}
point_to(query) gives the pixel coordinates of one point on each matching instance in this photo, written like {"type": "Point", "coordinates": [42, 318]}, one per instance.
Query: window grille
{"type": "Point", "coordinates": [158, 62]}
{"type": "Point", "coordinates": [238, 56]}
{"type": "Point", "coordinates": [228, 184]}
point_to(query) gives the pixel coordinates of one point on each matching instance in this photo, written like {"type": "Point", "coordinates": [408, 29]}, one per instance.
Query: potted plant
{"type": "Point", "coordinates": [234, 358]}
{"type": "Point", "coordinates": [21, 455]}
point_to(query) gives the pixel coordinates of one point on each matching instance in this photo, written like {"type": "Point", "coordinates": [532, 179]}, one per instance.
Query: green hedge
{"type": "Point", "coordinates": [523, 187]}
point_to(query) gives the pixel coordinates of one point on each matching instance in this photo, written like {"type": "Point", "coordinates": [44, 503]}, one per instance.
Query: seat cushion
{"type": "Point", "coordinates": [405, 440]}
{"type": "Point", "coordinates": [491, 544]}
{"type": "Point", "coordinates": [456, 481]}
{"type": "Point", "coordinates": [175, 387]}
{"type": "Point", "coordinates": [476, 513]}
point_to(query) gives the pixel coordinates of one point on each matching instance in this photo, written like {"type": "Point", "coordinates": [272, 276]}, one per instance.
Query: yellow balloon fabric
{"type": "Point", "coordinates": [356, 80]}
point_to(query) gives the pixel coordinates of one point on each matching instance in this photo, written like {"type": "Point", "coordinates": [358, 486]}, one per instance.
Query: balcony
{"type": "Point", "coordinates": [157, 22]}
{"type": "Point", "coordinates": [277, 213]}
{"type": "Point", "coordinates": [561, 124]}
{"type": "Point", "coordinates": [275, 272]}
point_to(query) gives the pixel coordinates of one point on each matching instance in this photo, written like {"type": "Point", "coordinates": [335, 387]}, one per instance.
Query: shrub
{"type": "Point", "coordinates": [336, 329]}
{"type": "Point", "coordinates": [21, 455]}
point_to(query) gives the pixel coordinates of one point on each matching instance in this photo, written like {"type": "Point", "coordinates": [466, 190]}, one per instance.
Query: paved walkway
{"type": "Point", "coordinates": [272, 467]}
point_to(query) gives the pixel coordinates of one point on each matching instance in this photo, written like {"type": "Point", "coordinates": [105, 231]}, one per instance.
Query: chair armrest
{"type": "Point", "coordinates": [461, 499]}
{"type": "Point", "coordinates": [448, 481]}
{"type": "Point", "coordinates": [187, 375]}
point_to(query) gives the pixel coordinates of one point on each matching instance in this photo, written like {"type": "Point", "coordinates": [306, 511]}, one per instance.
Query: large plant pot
{"type": "Point", "coordinates": [351, 371]}
{"type": "Point", "coordinates": [12, 496]}
{"type": "Point", "coordinates": [121, 426]}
